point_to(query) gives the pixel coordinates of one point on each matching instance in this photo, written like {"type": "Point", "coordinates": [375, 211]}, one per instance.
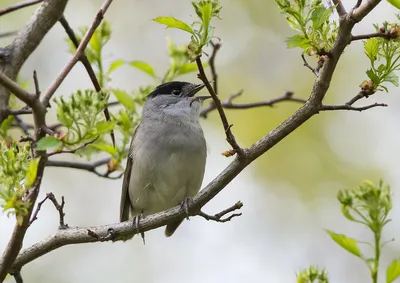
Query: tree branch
{"type": "Point", "coordinates": [218, 217]}
{"type": "Point", "coordinates": [227, 127]}
{"type": "Point", "coordinates": [18, 6]}
{"type": "Point", "coordinates": [350, 108]}
{"type": "Point", "coordinates": [386, 35]}
{"type": "Point", "coordinates": [228, 104]}
{"type": "Point", "coordinates": [341, 10]}
{"type": "Point", "coordinates": [13, 56]}
{"type": "Point", "coordinates": [78, 54]}
{"type": "Point", "coordinates": [125, 230]}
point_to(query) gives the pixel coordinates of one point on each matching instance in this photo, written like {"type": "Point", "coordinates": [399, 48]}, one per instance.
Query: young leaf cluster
{"type": "Point", "coordinates": [368, 205]}
{"type": "Point", "coordinates": [316, 33]}
{"type": "Point", "coordinates": [201, 30]}
{"type": "Point", "coordinates": [312, 275]}
{"type": "Point", "coordinates": [17, 175]}
{"type": "Point", "coordinates": [384, 57]}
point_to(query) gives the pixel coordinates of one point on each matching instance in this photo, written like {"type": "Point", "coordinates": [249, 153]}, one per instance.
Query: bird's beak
{"type": "Point", "coordinates": [196, 89]}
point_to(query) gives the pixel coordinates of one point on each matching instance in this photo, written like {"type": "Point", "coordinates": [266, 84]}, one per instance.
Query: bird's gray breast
{"type": "Point", "coordinates": [168, 163]}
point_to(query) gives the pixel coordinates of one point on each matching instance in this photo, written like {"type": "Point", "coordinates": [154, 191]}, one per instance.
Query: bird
{"type": "Point", "coordinates": [167, 156]}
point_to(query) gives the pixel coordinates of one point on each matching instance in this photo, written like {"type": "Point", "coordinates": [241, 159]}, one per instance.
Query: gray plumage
{"type": "Point", "coordinates": [167, 155]}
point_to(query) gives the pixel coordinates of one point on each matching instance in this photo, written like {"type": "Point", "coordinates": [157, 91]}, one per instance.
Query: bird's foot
{"type": "Point", "coordinates": [135, 222]}
{"type": "Point", "coordinates": [185, 204]}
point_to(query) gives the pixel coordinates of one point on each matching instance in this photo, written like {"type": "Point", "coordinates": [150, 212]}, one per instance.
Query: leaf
{"type": "Point", "coordinates": [143, 66]}
{"type": "Point", "coordinates": [104, 127]}
{"type": "Point", "coordinates": [48, 143]}
{"type": "Point", "coordinates": [31, 172]}
{"type": "Point", "coordinates": [124, 98]}
{"type": "Point", "coordinates": [320, 16]}
{"type": "Point", "coordinates": [395, 3]}
{"type": "Point", "coordinates": [371, 48]}
{"type": "Point", "coordinates": [374, 77]}
{"type": "Point", "coordinates": [115, 65]}
{"type": "Point", "coordinates": [345, 242]}
{"type": "Point", "coordinates": [171, 22]}
{"type": "Point", "coordinates": [105, 147]}
{"type": "Point", "coordinates": [393, 271]}
{"type": "Point", "coordinates": [206, 11]}
{"type": "Point", "coordinates": [189, 67]}
{"type": "Point", "coordinates": [392, 78]}
{"type": "Point", "coordinates": [297, 41]}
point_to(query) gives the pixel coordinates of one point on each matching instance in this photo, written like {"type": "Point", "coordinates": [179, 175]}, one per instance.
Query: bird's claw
{"type": "Point", "coordinates": [185, 206]}
{"type": "Point", "coordinates": [135, 222]}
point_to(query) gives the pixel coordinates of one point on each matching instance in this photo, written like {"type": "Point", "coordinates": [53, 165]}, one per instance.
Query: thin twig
{"type": "Point", "coordinates": [359, 95]}
{"type": "Point", "coordinates": [227, 127]}
{"type": "Point", "coordinates": [358, 4]}
{"type": "Point", "coordinates": [78, 54]}
{"type": "Point", "coordinates": [22, 125]}
{"type": "Point", "coordinates": [39, 206]}
{"type": "Point", "coordinates": [228, 104]}
{"type": "Point", "coordinates": [36, 82]}
{"type": "Point", "coordinates": [73, 150]}
{"type": "Point", "coordinates": [314, 70]}
{"type": "Point", "coordinates": [216, 46]}
{"type": "Point", "coordinates": [18, 6]}
{"type": "Point", "coordinates": [60, 209]}
{"type": "Point", "coordinates": [350, 108]}
{"type": "Point", "coordinates": [85, 61]}
{"type": "Point", "coordinates": [386, 35]}
{"type": "Point", "coordinates": [18, 91]}
{"type": "Point", "coordinates": [90, 167]}
{"type": "Point", "coordinates": [218, 217]}
{"type": "Point", "coordinates": [8, 33]}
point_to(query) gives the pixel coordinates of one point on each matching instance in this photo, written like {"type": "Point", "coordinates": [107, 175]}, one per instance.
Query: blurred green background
{"type": "Point", "coordinates": [289, 193]}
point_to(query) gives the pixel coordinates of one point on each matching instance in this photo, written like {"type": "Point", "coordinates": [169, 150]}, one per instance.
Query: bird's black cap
{"type": "Point", "coordinates": [183, 88]}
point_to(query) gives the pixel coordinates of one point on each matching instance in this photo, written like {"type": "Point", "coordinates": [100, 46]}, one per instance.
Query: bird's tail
{"type": "Point", "coordinates": [171, 227]}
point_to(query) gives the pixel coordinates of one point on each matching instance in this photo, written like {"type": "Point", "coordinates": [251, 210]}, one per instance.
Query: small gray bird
{"type": "Point", "coordinates": [167, 156]}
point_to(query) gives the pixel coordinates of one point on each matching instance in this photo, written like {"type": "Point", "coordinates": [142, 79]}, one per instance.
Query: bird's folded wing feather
{"type": "Point", "coordinates": [126, 205]}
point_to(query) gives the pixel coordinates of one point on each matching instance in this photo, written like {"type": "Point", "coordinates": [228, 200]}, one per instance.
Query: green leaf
{"type": "Point", "coordinates": [393, 271]}
{"type": "Point", "coordinates": [395, 3]}
{"type": "Point", "coordinates": [48, 142]}
{"type": "Point", "coordinates": [115, 65]}
{"type": "Point", "coordinates": [124, 98]}
{"type": "Point", "coordinates": [189, 67]}
{"type": "Point", "coordinates": [31, 172]}
{"type": "Point", "coordinates": [105, 147]}
{"type": "Point", "coordinates": [320, 16]}
{"type": "Point", "coordinates": [206, 11]}
{"type": "Point", "coordinates": [345, 242]}
{"type": "Point", "coordinates": [104, 127]}
{"type": "Point", "coordinates": [392, 78]}
{"type": "Point", "coordinates": [171, 22]}
{"type": "Point", "coordinates": [143, 66]}
{"type": "Point", "coordinates": [374, 77]}
{"type": "Point", "coordinates": [371, 47]}
{"type": "Point", "coordinates": [297, 41]}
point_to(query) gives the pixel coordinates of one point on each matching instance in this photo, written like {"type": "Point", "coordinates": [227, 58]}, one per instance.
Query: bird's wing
{"type": "Point", "coordinates": [126, 205]}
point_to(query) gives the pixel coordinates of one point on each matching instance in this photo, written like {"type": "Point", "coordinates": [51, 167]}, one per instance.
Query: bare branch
{"type": "Point", "coordinates": [18, 6]}
{"type": "Point", "coordinates": [358, 4]}
{"type": "Point", "coordinates": [28, 38]}
{"type": "Point", "coordinates": [39, 206]}
{"type": "Point", "coordinates": [315, 71]}
{"type": "Point", "coordinates": [228, 104]}
{"type": "Point", "coordinates": [386, 35]}
{"type": "Point", "coordinates": [78, 54]}
{"type": "Point", "coordinates": [90, 167]}
{"type": "Point", "coordinates": [8, 33]}
{"type": "Point", "coordinates": [74, 150]}
{"type": "Point", "coordinates": [218, 217]}
{"type": "Point", "coordinates": [341, 10]}
{"type": "Point", "coordinates": [216, 46]}
{"type": "Point", "coordinates": [227, 127]}
{"type": "Point", "coordinates": [18, 91]}
{"type": "Point", "coordinates": [350, 108]}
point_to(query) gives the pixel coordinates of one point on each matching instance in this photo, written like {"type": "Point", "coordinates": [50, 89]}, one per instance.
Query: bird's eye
{"type": "Point", "coordinates": [176, 92]}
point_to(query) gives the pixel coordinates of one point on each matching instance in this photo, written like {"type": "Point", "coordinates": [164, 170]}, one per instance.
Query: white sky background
{"type": "Point", "coordinates": [266, 244]}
